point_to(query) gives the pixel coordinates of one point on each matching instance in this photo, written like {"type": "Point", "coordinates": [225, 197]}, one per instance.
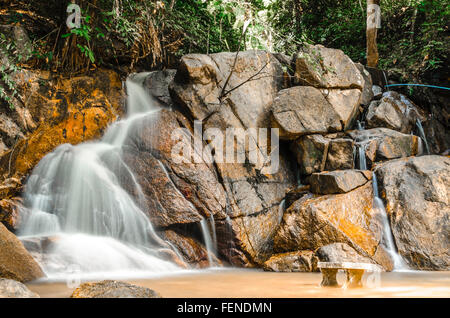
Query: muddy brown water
{"type": "Point", "coordinates": [259, 284]}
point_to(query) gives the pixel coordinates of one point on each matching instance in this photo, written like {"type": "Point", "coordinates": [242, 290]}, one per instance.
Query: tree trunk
{"type": "Point", "coordinates": [373, 24]}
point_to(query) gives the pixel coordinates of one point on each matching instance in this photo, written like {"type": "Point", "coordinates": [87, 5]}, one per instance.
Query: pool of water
{"type": "Point", "coordinates": [231, 283]}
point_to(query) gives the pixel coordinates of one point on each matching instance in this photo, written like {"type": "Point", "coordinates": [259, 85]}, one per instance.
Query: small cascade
{"type": "Point", "coordinates": [359, 125]}
{"type": "Point", "coordinates": [212, 223]}
{"type": "Point", "coordinates": [209, 244]}
{"type": "Point", "coordinates": [422, 135]}
{"type": "Point", "coordinates": [76, 198]}
{"type": "Point", "coordinates": [386, 80]}
{"type": "Point", "coordinates": [388, 238]}
{"type": "Point", "coordinates": [281, 210]}
{"type": "Point", "coordinates": [362, 162]}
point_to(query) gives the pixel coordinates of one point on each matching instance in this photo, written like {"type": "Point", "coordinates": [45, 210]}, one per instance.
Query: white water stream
{"type": "Point", "coordinates": [388, 238]}
{"type": "Point", "coordinates": [74, 197]}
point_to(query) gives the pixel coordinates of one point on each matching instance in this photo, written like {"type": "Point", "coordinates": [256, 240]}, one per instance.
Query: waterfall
{"type": "Point", "coordinates": [75, 196]}
{"type": "Point", "coordinates": [422, 135]}
{"type": "Point", "coordinates": [209, 244]}
{"type": "Point", "coordinates": [378, 205]}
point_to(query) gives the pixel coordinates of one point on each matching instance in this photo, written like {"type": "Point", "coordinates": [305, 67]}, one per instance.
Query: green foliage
{"type": "Point", "coordinates": [10, 57]}
{"type": "Point", "coordinates": [413, 37]}
{"type": "Point", "coordinates": [152, 33]}
{"type": "Point", "coordinates": [85, 35]}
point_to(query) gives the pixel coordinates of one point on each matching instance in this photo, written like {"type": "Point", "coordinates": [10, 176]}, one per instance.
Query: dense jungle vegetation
{"type": "Point", "coordinates": [146, 34]}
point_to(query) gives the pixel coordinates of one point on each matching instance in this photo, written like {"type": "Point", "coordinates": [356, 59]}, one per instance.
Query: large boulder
{"type": "Point", "coordinates": [302, 261]}
{"type": "Point", "coordinates": [417, 194]}
{"type": "Point", "coordinates": [311, 223]}
{"type": "Point", "coordinates": [394, 111]}
{"type": "Point", "coordinates": [342, 181]}
{"type": "Point", "coordinates": [254, 82]}
{"type": "Point", "coordinates": [323, 67]}
{"type": "Point", "coordinates": [340, 154]}
{"type": "Point", "coordinates": [15, 262]}
{"type": "Point", "coordinates": [13, 289]}
{"type": "Point", "coordinates": [346, 104]}
{"type": "Point", "coordinates": [303, 110]}
{"type": "Point", "coordinates": [113, 289]}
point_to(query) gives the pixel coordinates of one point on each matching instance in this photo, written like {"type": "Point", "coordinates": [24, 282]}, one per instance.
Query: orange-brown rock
{"type": "Point", "coordinates": [301, 261]}
{"type": "Point", "coordinates": [71, 110]}
{"type": "Point", "coordinates": [15, 262]}
{"type": "Point", "coordinates": [311, 223]}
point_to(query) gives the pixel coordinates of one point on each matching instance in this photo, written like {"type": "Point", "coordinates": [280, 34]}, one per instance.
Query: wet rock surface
{"type": "Point", "coordinates": [193, 252]}
{"type": "Point", "coordinates": [157, 84]}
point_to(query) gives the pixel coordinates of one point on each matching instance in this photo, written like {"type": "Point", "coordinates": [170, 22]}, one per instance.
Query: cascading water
{"type": "Point", "coordinates": [362, 162]}
{"type": "Point", "coordinates": [74, 196]}
{"type": "Point", "coordinates": [212, 222]}
{"type": "Point", "coordinates": [388, 238]}
{"type": "Point", "coordinates": [422, 135]}
{"type": "Point", "coordinates": [281, 209]}
{"type": "Point", "coordinates": [209, 243]}
{"type": "Point", "coordinates": [359, 125]}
